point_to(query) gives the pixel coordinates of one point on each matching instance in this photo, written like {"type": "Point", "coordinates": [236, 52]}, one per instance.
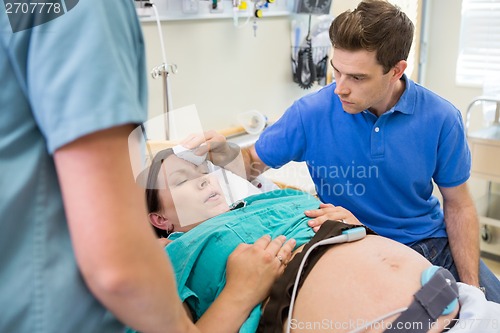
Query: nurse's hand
{"type": "Point", "coordinates": [329, 212]}
{"type": "Point", "coordinates": [252, 269]}
{"type": "Point", "coordinates": [220, 152]}
{"type": "Point", "coordinates": [250, 272]}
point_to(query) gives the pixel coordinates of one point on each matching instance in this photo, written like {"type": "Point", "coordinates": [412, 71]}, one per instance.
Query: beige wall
{"type": "Point", "coordinates": [224, 70]}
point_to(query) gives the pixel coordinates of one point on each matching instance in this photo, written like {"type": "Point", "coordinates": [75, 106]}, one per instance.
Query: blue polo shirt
{"type": "Point", "coordinates": [380, 168]}
{"type": "Point", "coordinates": [79, 73]}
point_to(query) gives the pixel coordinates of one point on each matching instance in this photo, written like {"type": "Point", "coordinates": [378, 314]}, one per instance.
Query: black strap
{"type": "Point", "coordinates": [276, 310]}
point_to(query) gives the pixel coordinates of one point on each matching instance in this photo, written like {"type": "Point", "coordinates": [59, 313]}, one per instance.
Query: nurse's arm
{"type": "Point", "coordinates": [462, 226]}
{"type": "Point", "coordinates": [114, 245]}
{"type": "Point", "coordinates": [250, 272]}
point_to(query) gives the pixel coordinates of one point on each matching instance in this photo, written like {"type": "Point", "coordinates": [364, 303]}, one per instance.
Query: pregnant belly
{"type": "Point", "coordinates": [354, 283]}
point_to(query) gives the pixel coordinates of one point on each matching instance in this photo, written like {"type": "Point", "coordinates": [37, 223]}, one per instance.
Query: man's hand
{"type": "Point", "coordinates": [329, 212]}
{"type": "Point", "coordinates": [220, 152]}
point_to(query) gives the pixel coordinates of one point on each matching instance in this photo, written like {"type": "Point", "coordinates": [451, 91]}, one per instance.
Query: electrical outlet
{"type": "Point", "coordinates": [143, 8]}
{"type": "Point", "coordinates": [190, 6]}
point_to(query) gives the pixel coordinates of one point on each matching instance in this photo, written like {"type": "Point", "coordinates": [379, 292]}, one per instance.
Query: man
{"type": "Point", "coordinates": [74, 237]}
{"type": "Point", "coordinates": [374, 141]}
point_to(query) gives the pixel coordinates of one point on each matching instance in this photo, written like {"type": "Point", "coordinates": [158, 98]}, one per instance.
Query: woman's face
{"type": "Point", "coordinates": [188, 193]}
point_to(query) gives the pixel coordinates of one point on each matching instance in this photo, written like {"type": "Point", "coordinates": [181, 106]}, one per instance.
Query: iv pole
{"type": "Point", "coordinates": [163, 70]}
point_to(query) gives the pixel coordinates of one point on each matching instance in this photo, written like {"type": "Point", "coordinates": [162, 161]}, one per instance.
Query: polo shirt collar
{"type": "Point", "coordinates": [406, 103]}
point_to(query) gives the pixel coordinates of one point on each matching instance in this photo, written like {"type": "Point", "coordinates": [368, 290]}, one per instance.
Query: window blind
{"type": "Point", "coordinates": [479, 47]}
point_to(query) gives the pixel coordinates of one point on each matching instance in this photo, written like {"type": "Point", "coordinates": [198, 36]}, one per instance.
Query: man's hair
{"type": "Point", "coordinates": [375, 25]}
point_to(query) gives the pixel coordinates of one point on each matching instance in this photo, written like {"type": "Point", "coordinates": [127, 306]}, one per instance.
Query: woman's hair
{"type": "Point", "coordinates": [375, 25]}
{"type": "Point", "coordinates": [153, 201]}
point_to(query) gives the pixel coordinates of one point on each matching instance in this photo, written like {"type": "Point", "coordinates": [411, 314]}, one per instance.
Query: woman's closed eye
{"type": "Point", "coordinates": [180, 181]}
{"type": "Point", "coordinates": [185, 174]}
{"type": "Point", "coordinates": [185, 178]}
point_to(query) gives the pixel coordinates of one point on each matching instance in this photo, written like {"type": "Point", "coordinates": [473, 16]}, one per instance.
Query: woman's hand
{"type": "Point", "coordinates": [329, 212]}
{"type": "Point", "coordinates": [252, 269]}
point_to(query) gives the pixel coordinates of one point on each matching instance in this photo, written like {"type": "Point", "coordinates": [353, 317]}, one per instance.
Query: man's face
{"type": "Point", "coordinates": [361, 82]}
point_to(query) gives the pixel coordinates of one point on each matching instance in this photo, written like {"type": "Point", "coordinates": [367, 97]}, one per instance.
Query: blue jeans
{"type": "Point", "coordinates": [437, 251]}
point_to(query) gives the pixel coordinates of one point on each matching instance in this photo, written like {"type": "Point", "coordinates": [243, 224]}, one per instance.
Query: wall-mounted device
{"type": "Point", "coordinates": [315, 7]}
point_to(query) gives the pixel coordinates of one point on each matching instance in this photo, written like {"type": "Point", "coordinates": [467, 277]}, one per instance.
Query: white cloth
{"type": "Point", "coordinates": [476, 313]}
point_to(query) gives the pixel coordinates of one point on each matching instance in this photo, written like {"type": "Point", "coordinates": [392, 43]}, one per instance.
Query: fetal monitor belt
{"type": "Point", "coordinates": [276, 310]}
{"type": "Point", "coordinates": [438, 296]}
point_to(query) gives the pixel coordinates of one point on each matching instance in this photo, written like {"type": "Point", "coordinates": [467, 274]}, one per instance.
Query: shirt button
{"type": "Point", "coordinates": [377, 129]}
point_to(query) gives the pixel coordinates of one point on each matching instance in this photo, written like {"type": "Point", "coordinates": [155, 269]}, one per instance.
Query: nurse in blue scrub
{"type": "Point", "coordinates": [76, 251]}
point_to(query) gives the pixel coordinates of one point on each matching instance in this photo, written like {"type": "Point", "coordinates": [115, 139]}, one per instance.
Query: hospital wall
{"type": "Point", "coordinates": [224, 70]}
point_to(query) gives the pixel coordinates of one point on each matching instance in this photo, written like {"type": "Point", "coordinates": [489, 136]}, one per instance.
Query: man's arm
{"type": "Point", "coordinates": [253, 164]}
{"type": "Point", "coordinates": [462, 226]}
{"type": "Point", "coordinates": [115, 248]}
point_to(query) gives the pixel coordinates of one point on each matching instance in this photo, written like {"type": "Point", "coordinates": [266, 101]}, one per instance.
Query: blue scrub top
{"type": "Point", "coordinates": [379, 168]}
{"type": "Point", "coordinates": [79, 73]}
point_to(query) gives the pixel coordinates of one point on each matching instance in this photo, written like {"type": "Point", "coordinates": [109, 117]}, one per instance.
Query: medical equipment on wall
{"type": "Point", "coordinates": [310, 53]}
{"type": "Point", "coordinates": [242, 12]}
{"type": "Point", "coordinates": [316, 7]}
{"type": "Point", "coordinates": [258, 9]}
